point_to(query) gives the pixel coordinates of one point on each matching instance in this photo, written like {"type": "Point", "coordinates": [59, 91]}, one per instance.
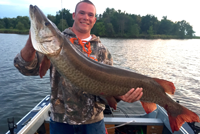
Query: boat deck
{"type": "Point", "coordinates": [129, 117]}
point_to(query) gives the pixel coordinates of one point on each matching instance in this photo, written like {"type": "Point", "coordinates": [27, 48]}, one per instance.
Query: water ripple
{"type": "Point", "coordinates": [175, 60]}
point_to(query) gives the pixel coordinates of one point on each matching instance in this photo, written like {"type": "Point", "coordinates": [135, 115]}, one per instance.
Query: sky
{"type": "Point", "coordinates": [175, 10]}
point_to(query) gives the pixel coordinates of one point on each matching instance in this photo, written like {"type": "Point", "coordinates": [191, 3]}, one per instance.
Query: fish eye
{"type": "Point", "coordinates": [46, 23]}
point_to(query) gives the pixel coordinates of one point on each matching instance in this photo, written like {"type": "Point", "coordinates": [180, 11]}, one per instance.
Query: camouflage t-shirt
{"type": "Point", "coordinates": [68, 103]}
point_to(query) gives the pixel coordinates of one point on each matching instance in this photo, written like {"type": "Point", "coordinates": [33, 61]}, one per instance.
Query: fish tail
{"type": "Point", "coordinates": [176, 121]}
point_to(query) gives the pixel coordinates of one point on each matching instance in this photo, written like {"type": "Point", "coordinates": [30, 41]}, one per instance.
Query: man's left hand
{"type": "Point", "coordinates": [132, 95]}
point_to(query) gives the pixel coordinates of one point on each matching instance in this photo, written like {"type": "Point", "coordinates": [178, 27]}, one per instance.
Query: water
{"type": "Point", "coordinates": [18, 93]}
{"type": "Point", "coordinates": [174, 60]}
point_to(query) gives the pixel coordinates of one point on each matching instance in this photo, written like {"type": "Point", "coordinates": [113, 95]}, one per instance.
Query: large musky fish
{"type": "Point", "coordinates": [100, 79]}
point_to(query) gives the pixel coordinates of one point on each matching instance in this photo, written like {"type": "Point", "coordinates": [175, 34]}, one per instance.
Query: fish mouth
{"type": "Point", "coordinates": [36, 14]}
{"type": "Point", "coordinates": [32, 11]}
{"type": "Point", "coordinates": [43, 33]}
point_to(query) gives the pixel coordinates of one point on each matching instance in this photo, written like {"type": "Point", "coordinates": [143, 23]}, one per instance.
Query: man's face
{"type": "Point", "coordinates": [84, 17]}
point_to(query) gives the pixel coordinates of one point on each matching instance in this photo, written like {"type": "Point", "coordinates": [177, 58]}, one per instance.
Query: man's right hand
{"type": "Point", "coordinates": [28, 52]}
{"type": "Point", "coordinates": [44, 66]}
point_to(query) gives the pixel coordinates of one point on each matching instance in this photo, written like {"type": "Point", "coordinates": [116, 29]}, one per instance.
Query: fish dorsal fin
{"type": "Point", "coordinates": [168, 86]}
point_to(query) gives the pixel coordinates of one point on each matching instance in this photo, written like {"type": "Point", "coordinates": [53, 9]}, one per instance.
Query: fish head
{"type": "Point", "coordinates": [45, 36]}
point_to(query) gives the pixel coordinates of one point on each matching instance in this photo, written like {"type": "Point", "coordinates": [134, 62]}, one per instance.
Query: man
{"type": "Point", "coordinates": [72, 110]}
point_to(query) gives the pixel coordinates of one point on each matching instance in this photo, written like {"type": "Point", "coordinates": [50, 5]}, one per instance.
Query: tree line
{"type": "Point", "coordinates": [114, 23]}
{"type": "Point", "coordinates": [20, 24]}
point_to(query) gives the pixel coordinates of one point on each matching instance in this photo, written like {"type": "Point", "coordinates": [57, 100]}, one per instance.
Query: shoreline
{"type": "Point", "coordinates": [140, 36]}
{"type": "Point", "coordinates": [14, 31]}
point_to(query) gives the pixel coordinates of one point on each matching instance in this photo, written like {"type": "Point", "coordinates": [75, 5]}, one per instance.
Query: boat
{"type": "Point", "coordinates": [133, 120]}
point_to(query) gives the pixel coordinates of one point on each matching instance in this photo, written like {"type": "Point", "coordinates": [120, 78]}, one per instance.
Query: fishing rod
{"type": "Point", "coordinates": [62, 15]}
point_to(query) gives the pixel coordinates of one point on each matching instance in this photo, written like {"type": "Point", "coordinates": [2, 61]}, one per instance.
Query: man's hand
{"type": "Point", "coordinates": [28, 52]}
{"type": "Point", "coordinates": [44, 66]}
{"type": "Point", "coordinates": [132, 95]}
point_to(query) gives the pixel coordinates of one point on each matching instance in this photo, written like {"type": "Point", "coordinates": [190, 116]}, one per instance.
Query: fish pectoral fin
{"type": "Point", "coordinates": [112, 102]}
{"type": "Point", "coordinates": [148, 106]}
{"type": "Point", "coordinates": [44, 66]}
{"type": "Point", "coordinates": [167, 85]}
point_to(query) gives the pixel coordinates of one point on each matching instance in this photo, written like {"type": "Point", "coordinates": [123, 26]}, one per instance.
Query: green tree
{"type": "Point", "coordinates": [150, 31]}
{"type": "Point", "coordinates": [62, 25]}
{"type": "Point", "coordinates": [20, 26]}
{"type": "Point", "coordinates": [165, 26]}
{"type": "Point", "coordinates": [189, 30]}
{"type": "Point", "coordinates": [8, 23]}
{"type": "Point", "coordinates": [66, 15]}
{"type": "Point", "coordinates": [22, 19]}
{"type": "Point", "coordinates": [134, 30]}
{"type": "Point", "coordinates": [26, 22]}
{"type": "Point", "coordinates": [108, 13]}
{"type": "Point", "coordinates": [109, 31]}
{"type": "Point", "coordinates": [51, 18]}
{"type": "Point", "coordinates": [109, 20]}
{"type": "Point", "coordinates": [100, 27]}
{"type": "Point", "coordinates": [137, 19]}
{"type": "Point", "coordinates": [113, 23]}
{"type": "Point", "coordinates": [119, 20]}
{"type": "Point", "coordinates": [147, 21]}
{"type": "Point", "coordinates": [182, 28]}
{"type": "Point", "coordinates": [175, 29]}
{"type": "Point", "coordinates": [2, 24]}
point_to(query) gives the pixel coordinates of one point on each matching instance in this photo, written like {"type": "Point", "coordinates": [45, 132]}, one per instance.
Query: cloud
{"type": "Point", "coordinates": [12, 11]}
{"type": "Point", "coordinates": [174, 10]}
{"type": "Point", "coordinates": [13, 2]}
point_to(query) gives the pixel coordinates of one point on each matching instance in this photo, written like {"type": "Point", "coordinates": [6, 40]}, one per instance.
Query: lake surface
{"type": "Point", "coordinates": [174, 60]}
